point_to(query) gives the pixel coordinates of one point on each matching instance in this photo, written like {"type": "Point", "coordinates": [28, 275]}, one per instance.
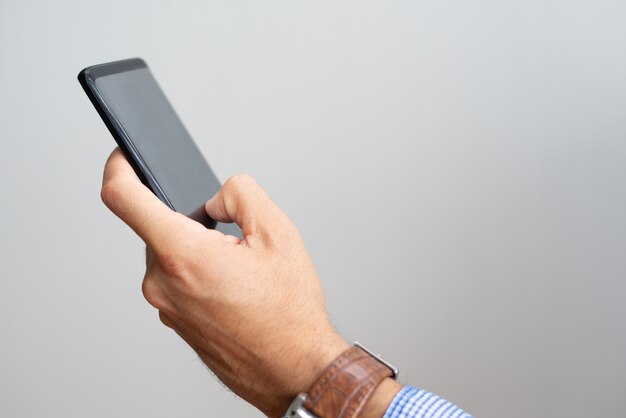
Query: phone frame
{"type": "Point", "coordinates": [87, 78]}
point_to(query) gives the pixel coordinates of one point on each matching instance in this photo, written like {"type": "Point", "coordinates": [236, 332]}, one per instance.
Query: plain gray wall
{"type": "Point", "coordinates": [457, 169]}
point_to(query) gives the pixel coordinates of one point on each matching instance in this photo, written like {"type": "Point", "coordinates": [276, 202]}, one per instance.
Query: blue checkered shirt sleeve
{"type": "Point", "coordinates": [411, 402]}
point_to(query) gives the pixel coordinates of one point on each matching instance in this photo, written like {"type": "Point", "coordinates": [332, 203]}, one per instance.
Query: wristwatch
{"type": "Point", "coordinates": [344, 387]}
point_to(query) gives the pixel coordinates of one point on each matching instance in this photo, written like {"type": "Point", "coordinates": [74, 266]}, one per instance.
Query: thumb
{"type": "Point", "coordinates": [243, 201]}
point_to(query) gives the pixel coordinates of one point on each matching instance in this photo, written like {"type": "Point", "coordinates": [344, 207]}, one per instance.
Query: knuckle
{"type": "Point", "coordinates": [239, 183]}
{"type": "Point", "coordinates": [112, 194]}
{"type": "Point", "coordinates": [165, 319]}
{"type": "Point", "coordinates": [152, 293]}
{"type": "Point", "coordinates": [174, 264]}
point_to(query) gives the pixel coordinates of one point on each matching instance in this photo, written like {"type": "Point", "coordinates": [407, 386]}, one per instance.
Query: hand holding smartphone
{"type": "Point", "coordinates": [153, 138]}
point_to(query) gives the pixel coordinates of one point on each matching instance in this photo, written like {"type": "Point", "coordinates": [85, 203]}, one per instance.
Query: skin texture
{"type": "Point", "coordinates": [252, 308]}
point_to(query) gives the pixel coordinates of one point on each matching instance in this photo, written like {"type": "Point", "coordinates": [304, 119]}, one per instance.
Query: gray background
{"type": "Point", "coordinates": [456, 168]}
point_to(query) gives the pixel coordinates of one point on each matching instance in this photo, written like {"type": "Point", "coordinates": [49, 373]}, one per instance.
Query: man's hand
{"type": "Point", "coordinates": [252, 309]}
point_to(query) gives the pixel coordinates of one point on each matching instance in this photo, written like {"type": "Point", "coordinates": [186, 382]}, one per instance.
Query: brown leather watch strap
{"type": "Point", "coordinates": [345, 386]}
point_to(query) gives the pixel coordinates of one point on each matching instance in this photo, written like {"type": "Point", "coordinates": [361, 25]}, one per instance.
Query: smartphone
{"type": "Point", "coordinates": [153, 138]}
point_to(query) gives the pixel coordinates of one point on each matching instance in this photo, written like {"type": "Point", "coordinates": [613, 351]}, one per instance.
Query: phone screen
{"type": "Point", "coordinates": [170, 158]}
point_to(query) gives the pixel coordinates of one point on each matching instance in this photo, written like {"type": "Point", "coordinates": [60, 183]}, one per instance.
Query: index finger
{"type": "Point", "coordinates": [131, 201]}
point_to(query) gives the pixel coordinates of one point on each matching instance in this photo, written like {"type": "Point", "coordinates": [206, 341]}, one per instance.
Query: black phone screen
{"type": "Point", "coordinates": [147, 125]}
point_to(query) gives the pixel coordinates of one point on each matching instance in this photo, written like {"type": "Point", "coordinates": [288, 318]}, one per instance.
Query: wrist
{"type": "Point", "coordinates": [377, 405]}
{"type": "Point", "coordinates": [325, 353]}
{"type": "Point", "coordinates": [355, 384]}
{"type": "Point", "coordinates": [307, 364]}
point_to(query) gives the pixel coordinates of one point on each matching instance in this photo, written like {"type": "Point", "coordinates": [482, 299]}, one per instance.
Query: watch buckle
{"type": "Point", "coordinates": [377, 356]}
{"type": "Point", "coordinates": [297, 409]}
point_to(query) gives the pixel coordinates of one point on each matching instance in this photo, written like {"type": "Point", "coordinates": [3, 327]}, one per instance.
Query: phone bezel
{"type": "Point", "coordinates": [87, 78]}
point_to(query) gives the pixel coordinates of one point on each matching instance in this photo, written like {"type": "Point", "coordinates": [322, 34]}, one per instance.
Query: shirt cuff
{"type": "Point", "coordinates": [412, 402]}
